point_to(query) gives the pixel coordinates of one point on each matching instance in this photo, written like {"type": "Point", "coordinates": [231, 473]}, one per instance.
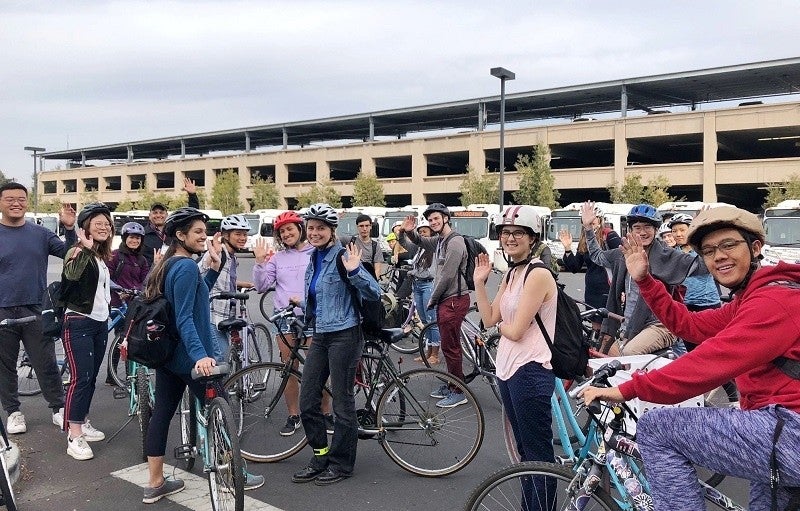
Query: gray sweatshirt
{"type": "Point", "coordinates": [450, 254]}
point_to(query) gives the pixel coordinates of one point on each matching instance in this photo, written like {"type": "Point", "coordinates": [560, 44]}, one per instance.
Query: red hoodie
{"type": "Point", "coordinates": [739, 340]}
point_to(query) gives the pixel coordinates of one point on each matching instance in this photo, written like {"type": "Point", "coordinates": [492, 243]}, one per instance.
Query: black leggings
{"type": "Point", "coordinates": [169, 390]}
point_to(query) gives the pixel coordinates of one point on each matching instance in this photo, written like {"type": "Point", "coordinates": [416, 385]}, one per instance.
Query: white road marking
{"type": "Point", "coordinates": [196, 494]}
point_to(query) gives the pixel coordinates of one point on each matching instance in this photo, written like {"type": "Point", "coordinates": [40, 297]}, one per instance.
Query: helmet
{"type": "Point", "coordinates": [523, 216]}
{"type": "Point", "coordinates": [644, 213]}
{"type": "Point", "coordinates": [235, 222]}
{"type": "Point", "coordinates": [324, 213]}
{"type": "Point", "coordinates": [720, 218]}
{"type": "Point", "coordinates": [679, 218]}
{"type": "Point", "coordinates": [399, 222]}
{"type": "Point", "coordinates": [287, 217]}
{"type": "Point", "coordinates": [664, 229]}
{"type": "Point", "coordinates": [181, 217]}
{"type": "Point", "coordinates": [92, 209]}
{"type": "Point", "coordinates": [132, 228]}
{"type": "Point", "coordinates": [436, 207]}
{"type": "Point", "coordinates": [391, 237]}
{"type": "Point", "coordinates": [423, 223]}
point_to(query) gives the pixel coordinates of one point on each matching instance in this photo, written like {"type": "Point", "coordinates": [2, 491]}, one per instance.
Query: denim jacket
{"type": "Point", "coordinates": [334, 310]}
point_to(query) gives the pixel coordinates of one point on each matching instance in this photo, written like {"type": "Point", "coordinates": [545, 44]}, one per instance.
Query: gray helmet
{"type": "Point", "coordinates": [132, 228]}
{"type": "Point", "coordinates": [679, 218]}
{"type": "Point", "coordinates": [436, 207]}
{"type": "Point", "coordinates": [324, 213]}
{"type": "Point", "coordinates": [235, 223]}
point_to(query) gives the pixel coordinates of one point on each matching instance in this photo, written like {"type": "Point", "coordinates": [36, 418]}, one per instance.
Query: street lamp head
{"type": "Point", "coordinates": [502, 73]}
{"type": "Point", "coordinates": [35, 149]}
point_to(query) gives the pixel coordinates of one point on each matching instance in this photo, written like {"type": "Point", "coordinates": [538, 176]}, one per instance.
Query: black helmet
{"type": "Point", "coordinates": [92, 209]}
{"type": "Point", "coordinates": [436, 207]}
{"type": "Point", "coordinates": [181, 217]}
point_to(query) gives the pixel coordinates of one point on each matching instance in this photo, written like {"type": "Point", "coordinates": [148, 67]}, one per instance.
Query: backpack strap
{"type": "Point", "coordinates": [118, 269]}
{"type": "Point", "coordinates": [788, 366]}
{"type": "Point", "coordinates": [346, 279]}
{"type": "Point", "coordinates": [538, 318]}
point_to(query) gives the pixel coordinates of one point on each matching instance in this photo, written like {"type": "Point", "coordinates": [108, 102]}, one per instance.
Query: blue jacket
{"type": "Point", "coordinates": [188, 295]}
{"type": "Point", "coordinates": [334, 310]}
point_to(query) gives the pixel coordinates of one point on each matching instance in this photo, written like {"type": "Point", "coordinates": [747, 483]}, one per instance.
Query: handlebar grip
{"type": "Point", "coordinates": [17, 321]}
{"type": "Point", "coordinates": [594, 408]}
{"type": "Point", "coordinates": [217, 370]}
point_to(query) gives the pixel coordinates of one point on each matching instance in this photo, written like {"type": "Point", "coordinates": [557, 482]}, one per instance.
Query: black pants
{"type": "Point", "coordinates": [169, 390]}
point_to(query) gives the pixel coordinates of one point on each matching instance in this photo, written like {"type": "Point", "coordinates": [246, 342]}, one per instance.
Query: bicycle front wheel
{"type": "Point", "coordinates": [420, 436]}
{"type": "Point", "coordinates": [533, 485]}
{"type": "Point", "coordinates": [265, 303]}
{"type": "Point", "coordinates": [5, 482]}
{"type": "Point", "coordinates": [186, 414]}
{"type": "Point", "coordinates": [117, 369]}
{"type": "Point", "coordinates": [259, 344]}
{"type": "Point", "coordinates": [226, 478]}
{"type": "Point", "coordinates": [144, 406]}
{"type": "Point", "coordinates": [27, 383]}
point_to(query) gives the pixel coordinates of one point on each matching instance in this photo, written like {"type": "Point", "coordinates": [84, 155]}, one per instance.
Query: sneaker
{"type": "Point", "coordinates": [16, 423]}
{"type": "Point", "coordinates": [79, 449]}
{"type": "Point", "coordinates": [91, 434]}
{"type": "Point", "coordinates": [253, 481]}
{"type": "Point", "coordinates": [168, 487]}
{"type": "Point", "coordinates": [292, 423]}
{"type": "Point", "coordinates": [58, 418]}
{"type": "Point", "coordinates": [329, 423]}
{"type": "Point", "coordinates": [442, 392]}
{"type": "Point", "coordinates": [454, 399]}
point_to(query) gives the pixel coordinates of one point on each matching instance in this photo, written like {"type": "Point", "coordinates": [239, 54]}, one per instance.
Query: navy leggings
{"type": "Point", "coordinates": [169, 390]}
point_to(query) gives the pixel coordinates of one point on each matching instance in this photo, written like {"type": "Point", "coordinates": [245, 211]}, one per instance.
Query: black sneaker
{"type": "Point", "coordinates": [329, 423]}
{"type": "Point", "coordinates": [292, 423]}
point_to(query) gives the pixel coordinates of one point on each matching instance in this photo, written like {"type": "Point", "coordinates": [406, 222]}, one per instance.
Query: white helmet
{"type": "Point", "coordinates": [523, 216]}
{"type": "Point", "coordinates": [235, 222]}
{"type": "Point", "coordinates": [680, 218]}
{"type": "Point", "coordinates": [423, 223]}
{"type": "Point", "coordinates": [664, 229]}
{"type": "Point", "coordinates": [322, 212]}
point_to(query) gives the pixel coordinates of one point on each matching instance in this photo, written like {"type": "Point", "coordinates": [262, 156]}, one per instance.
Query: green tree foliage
{"type": "Point", "coordinates": [633, 191]}
{"type": "Point", "coordinates": [126, 204]}
{"type": "Point", "coordinates": [536, 180]}
{"type": "Point", "coordinates": [265, 194]}
{"type": "Point", "coordinates": [3, 178]}
{"type": "Point", "coordinates": [48, 206]}
{"type": "Point", "coordinates": [88, 197]}
{"type": "Point", "coordinates": [479, 187]}
{"type": "Point", "coordinates": [320, 192]}
{"type": "Point", "coordinates": [225, 194]}
{"type": "Point", "coordinates": [778, 192]}
{"type": "Point", "coordinates": [368, 191]}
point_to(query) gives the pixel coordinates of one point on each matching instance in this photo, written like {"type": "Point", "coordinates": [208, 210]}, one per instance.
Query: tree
{"type": "Point", "coordinates": [126, 204]}
{"type": "Point", "coordinates": [225, 194]}
{"type": "Point", "coordinates": [479, 187]}
{"type": "Point", "coordinates": [265, 194]}
{"type": "Point", "coordinates": [632, 191]}
{"type": "Point", "coordinates": [48, 206]}
{"type": "Point", "coordinates": [368, 191]}
{"type": "Point", "coordinates": [320, 192]}
{"type": "Point", "coordinates": [3, 178]}
{"type": "Point", "coordinates": [778, 192]}
{"type": "Point", "coordinates": [536, 180]}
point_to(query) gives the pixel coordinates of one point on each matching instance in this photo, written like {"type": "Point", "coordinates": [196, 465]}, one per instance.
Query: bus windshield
{"type": "Point", "coordinates": [254, 221]}
{"type": "Point", "coordinates": [570, 223]}
{"type": "Point", "coordinates": [782, 230]}
{"type": "Point", "coordinates": [477, 227]}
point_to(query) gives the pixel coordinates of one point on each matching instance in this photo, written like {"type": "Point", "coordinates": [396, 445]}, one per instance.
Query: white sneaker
{"type": "Point", "coordinates": [90, 433]}
{"type": "Point", "coordinates": [58, 418]}
{"type": "Point", "coordinates": [78, 448]}
{"type": "Point", "coordinates": [16, 423]}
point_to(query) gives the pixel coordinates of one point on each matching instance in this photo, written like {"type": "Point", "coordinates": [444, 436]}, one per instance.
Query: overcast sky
{"type": "Point", "coordinates": [84, 73]}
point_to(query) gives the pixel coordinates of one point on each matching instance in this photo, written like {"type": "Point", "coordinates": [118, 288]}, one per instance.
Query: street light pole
{"type": "Point", "coordinates": [504, 74]}
{"type": "Point", "coordinates": [35, 176]}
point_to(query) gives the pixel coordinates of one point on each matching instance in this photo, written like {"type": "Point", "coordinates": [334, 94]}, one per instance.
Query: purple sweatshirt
{"type": "Point", "coordinates": [285, 270]}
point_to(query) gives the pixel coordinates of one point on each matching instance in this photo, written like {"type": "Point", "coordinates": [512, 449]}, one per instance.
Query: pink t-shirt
{"type": "Point", "coordinates": [532, 347]}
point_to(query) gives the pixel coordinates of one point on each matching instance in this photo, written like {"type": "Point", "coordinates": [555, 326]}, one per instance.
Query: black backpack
{"type": "Point", "coordinates": [372, 312]}
{"type": "Point", "coordinates": [570, 347]}
{"type": "Point", "coordinates": [473, 249]}
{"type": "Point", "coordinates": [52, 313]}
{"type": "Point", "coordinates": [150, 329]}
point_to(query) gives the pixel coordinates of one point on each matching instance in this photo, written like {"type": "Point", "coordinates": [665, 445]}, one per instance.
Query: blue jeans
{"type": "Point", "coordinates": [334, 354]}
{"type": "Point", "coordinates": [85, 346]}
{"type": "Point", "coordinates": [422, 295]}
{"type": "Point", "coordinates": [526, 401]}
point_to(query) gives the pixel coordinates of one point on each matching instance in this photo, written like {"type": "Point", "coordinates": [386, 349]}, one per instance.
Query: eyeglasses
{"type": "Point", "coordinates": [726, 246]}
{"type": "Point", "coordinates": [514, 234]}
{"type": "Point", "coordinates": [98, 225]}
{"type": "Point", "coordinates": [18, 200]}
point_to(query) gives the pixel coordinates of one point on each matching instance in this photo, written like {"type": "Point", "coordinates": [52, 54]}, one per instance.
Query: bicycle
{"type": "Point", "coordinates": [113, 353]}
{"type": "Point", "coordinates": [258, 345]}
{"type": "Point", "coordinates": [207, 433]}
{"type": "Point", "coordinates": [28, 383]}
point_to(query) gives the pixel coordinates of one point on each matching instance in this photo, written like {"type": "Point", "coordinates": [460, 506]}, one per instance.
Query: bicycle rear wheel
{"type": "Point", "coordinates": [265, 303]}
{"type": "Point", "coordinates": [421, 437]}
{"type": "Point", "coordinates": [117, 369]}
{"type": "Point", "coordinates": [186, 414]}
{"type": "Point", "coordinates": [6, 489]}
{"type": "Point", "coordinates": [27, 383]}
{"type": "Point", "coordinates": [532, 485]}
{"type": "Point", "coordinates": [259, 344]}
{"type": "Point", "coordinates": [145, 407]}
{"type": "Point", "coordinates": [226, 478]}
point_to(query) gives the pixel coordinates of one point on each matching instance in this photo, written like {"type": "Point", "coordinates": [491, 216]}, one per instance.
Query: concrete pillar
{"type": "Point", "coordinates": [709, 177]}
{"type": "Point", "coordinates": [620, 152]}
{"type": "Point", "coordinates": [419, 171]}
{"type": "Point", "coordinates": [481, 116]}
{"type": "Point", "coordinates": [183, 149]}
{"type": "Point", "coordinates": [623, 100]}
{"type": "Point", "coordinates": [477, 156]}
{"type": "Point", "coordinates": [246, 142]}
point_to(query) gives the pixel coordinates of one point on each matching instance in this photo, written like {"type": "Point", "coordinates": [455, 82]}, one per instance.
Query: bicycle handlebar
{"type": "Point", "coordinates": [282, 313]}
{"type": "Point", "coordinates": [124, 290]}
{"type": "Point", "coordinates": [229, 295]}
{"type": "Point", "coordinates": [217, 370]}
{"type": "Point", "coordinates": [17, 321]}
{"type": "Point", "coordinates": [602, 312]}
{"type": "Point", "coordinates": [599, 379]}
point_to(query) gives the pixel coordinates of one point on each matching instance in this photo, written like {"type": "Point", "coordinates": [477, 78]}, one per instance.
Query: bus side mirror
{"type": "Point", "coordinates": [266, 230]}
{"type": "Point", "coordinates": [373, 233]}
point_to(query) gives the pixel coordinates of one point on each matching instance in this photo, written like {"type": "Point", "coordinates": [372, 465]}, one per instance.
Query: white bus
{"type": "Point", "coordinates": [498, 259]}
{"type": "Point", "coordinates": [261, 221]}
{"type": "Point", "coordinates": [569, 218]}
{"type": "Point", "coordinates": [347, 224]}
{"type": "Point", "coordinates": [49, 220]}
{"type": "Point", "coordinates": [691, 208]}
{"type": "Point", "coordinates": [782, 226]}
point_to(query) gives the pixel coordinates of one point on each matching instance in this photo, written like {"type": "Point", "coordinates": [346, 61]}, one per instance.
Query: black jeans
{"type": "Point", "coordinates": [41, 353]}
{"type": "Point", "coordinates": [334, 355]}
{"type": "Point", "coordinates": [169, 390]}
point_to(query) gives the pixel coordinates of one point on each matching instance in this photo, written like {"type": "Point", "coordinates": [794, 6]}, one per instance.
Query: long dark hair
{"type": "Point", "coordinates": [154, 285]}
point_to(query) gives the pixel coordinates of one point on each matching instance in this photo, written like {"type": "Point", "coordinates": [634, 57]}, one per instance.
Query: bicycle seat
{"type": "Point", "coordinates": [217, 372]}
{"type": "Point", "coordinates": [226, 325]}
{"type": "Point", "coordinates": [391, 335]}
{"type": "Point", "coordinates": [227, 295]}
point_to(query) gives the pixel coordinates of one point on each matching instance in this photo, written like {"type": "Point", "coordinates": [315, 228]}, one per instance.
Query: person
{"type": "Point", "coordinates": [524, 374]}
{"type": "Point", "coordinates": [597, 279]}
{"type": "Point", "coordinates": [285, 271]}
{"type": "Point", "coordinates": [233, 231]}
{"type": "Point", "coordinates": [128, 268]}
{"type": "Point", "coordinates": [154, 237]}
{"type": "Point", "coordinates": [450, 295]}
{"type": "Point", "coordinates": [740, 340]}
{"type": "Point", "coordinates": [391, 240]}
{"type": "Point", "coordinates": [371, 255]}
{"type": "Point", "coordinates": [642, 333]}
{"type": "Point", "coordinates": [401, 257]}
{"type": "Point", "coordinates": [421, 276]}
{"type": "Point", "coordinates": [665, 235]}
{"type": "Point", "coordinates": [24, 251]}
{"type": "Point", "coordinates": [332, 313]}
{"type": "Point", "coordinates": [86, 294]}
{"type": "Point", "coordinates": [188, 293]}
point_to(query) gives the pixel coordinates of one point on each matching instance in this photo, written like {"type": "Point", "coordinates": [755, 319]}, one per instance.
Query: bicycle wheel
{"type": "Point", "coordinates": [27, 383]}
{"type": "Point", "coordinates": [421, 437]}
{"type": "Point", "coordinates": [259, 344]}
{"type": "Point", "coordinates": [145, 407]}
{"type": "Point", "coordinates": [117, 369]}
{"type": "Point", "coordinates": [6, 489]}
{"type": "Point", "coordinates": [259, 412]}
{"type": "Point", "coordinates": [226, 477]}
{"type": "Point", "coordinates": [186, 413]}
{"type": "Point", "coordinates": [429, 330]}
{"type": "Point", "coordinates": [265, 303]}
{"type": "Point", "coordinates": [369, 385]}
{"type": "Point", "coordinates": [410, 342]}
{"type": "Point", "coordinates": [533, 485]}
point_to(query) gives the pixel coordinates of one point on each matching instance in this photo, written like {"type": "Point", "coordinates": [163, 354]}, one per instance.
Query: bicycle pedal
{"type": "Point", "coordinates": [184, 452]}
{"type": "Point", "coordinates": [119, 393]}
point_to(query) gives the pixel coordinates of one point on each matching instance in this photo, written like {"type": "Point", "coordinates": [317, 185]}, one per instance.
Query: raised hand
{"type": "Point", "coordinates": [66, 215]}
{"type": "Point", "coordinates": [263, 251]}
{"type": "Point", "coordinates": [483, 267]}
{"type": "Point", "coordinates": [353, 257]}
{"type": "Point", "coordinates": [635, 257]}
{"type": "Point", "coordinates": [157, 256]}
{"type": "Point", "coordinates": [409, 223]}
{"type": "Point", "coordinates": [214, 247]}
{"type": "Point", "coordinates": [189, 186]}
{"type": "Point", "coordinates": [85, 239]}
{"type": "Point", "coordinates": [587, 214]}
{"type": "Point", "coordinates": [566, 238]}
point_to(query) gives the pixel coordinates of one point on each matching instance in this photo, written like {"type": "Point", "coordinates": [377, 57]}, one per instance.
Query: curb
{"type": "Point", "coordinates": [12, 461]}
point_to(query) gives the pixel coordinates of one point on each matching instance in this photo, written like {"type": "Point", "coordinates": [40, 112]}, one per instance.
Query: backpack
{"type": "Point", "coordinates": [52, 313]}
{"type": "Point", "coordinates": [372, 312]}
{"type": "Point", "coordinates": [569, 346]}
{"type": "Point", "coordinates": [537, 253]}
{"type": "Point", "coordinates": [788, 366]}
{"type": "Point", "coordinates": [473, 249]}
{"type": "Point", "coordinates": [150, 330]}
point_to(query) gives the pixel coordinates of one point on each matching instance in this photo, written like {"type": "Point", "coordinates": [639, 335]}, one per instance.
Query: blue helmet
{"type": "Point", "coordinates": [644, 213]}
